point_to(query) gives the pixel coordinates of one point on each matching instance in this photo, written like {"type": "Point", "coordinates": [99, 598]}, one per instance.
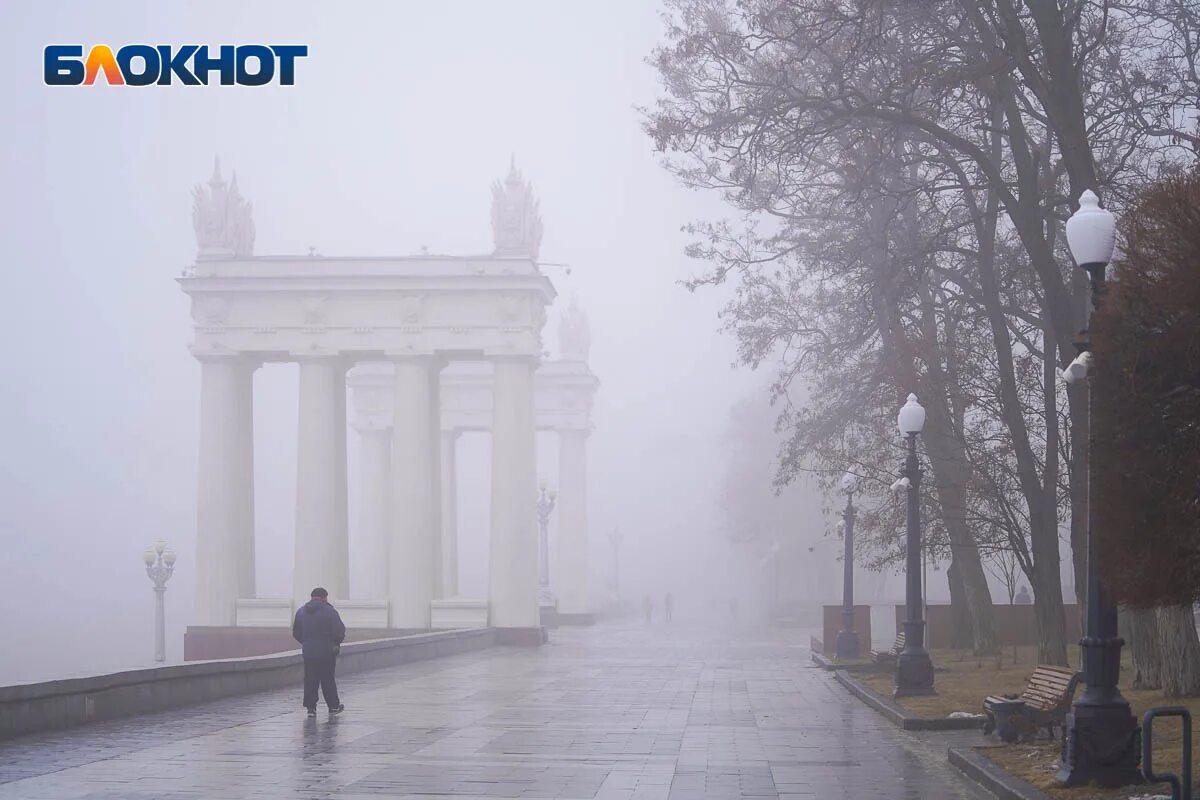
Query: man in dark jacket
{"type": "Point", "coordinates": [319, 630]}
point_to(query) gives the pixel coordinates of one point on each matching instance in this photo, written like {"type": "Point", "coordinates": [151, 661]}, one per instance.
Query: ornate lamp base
{"type": "Point", "coordinates": [1101, 744]}
{"type": "Point", "coordinates": [914, 674]}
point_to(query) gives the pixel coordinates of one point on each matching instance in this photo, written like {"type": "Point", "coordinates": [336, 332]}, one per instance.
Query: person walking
{"type": "Point", "coordinates": [668, 606]}
{"type": "Point", "coordinates": [648, 608]}
{"type": "Point", "coordinates": [320, 631]}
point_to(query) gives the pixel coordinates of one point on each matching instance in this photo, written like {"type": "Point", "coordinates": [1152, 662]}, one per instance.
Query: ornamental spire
{"type": "Point", "coordinates": [516, 224]}
{"type": "Point", "coordinates": [222, 218]}
{"type": "Point", "coordinates": [574, 334]}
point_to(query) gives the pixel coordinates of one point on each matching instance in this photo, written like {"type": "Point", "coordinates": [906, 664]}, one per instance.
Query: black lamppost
{"type": "Point", "coordinates": [847, 638]}
{"type": "Point", "coordinates": [914, 669]}
{"type": "Point", "coordinates": [1102, 740]}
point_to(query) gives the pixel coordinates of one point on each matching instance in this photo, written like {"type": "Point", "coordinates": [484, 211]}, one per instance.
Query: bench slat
{"type": "Point", "coordinates": [1045, 692]}
{"type": "Point", "coordinates": [897, 647]}
{"type": "Point", "coordinates": [1050, 681]}
{"type": "Point", "coordinates": [1041, 698]}
{"type": "Point", "coordinates": [1044, 677]}
{"type": "Point", "coordinates": [1050, 677]}
{"type": "Point", "coordinates": [1057, 680]}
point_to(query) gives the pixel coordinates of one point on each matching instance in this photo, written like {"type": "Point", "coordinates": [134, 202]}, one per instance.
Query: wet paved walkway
{"type": "Point", "coordinates": [611, 712]}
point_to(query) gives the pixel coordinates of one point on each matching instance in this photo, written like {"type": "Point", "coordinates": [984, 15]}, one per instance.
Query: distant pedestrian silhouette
{"type": "Point", "coordinates": [648, 607]}
{"type": "Point", "coordinates": [668, 606]}
{"type": "Point", "coordinates": [1023, 598]}
{"type": "Point", "coordinates": [320, 631]}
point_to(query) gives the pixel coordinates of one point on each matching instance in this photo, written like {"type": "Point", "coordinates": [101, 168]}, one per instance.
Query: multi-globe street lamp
{"type": "Point", "coordinates": [545, 507]}
{"type": "Point", "coordinates": [914, 669]}
{"type": "Point", "coordinates": [160, 565]}
{"type": "Point", "coordinates": [1101, 740]}
{"type": "Point", "coordinates": [847, 645]}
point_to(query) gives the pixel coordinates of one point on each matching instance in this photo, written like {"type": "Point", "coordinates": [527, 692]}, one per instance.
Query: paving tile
{"type": "Point", "coordinates": [612, 712]}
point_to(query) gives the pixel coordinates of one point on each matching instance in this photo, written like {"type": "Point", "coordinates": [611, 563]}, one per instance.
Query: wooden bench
{"type": "Point", "coordinates": [1043, 704]}
{"type": "Point", "coordinates": [889, 656]}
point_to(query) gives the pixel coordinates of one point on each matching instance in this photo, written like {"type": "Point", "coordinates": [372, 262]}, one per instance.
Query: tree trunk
{"type": "Point", "coordinates": [1047, 559]}
{"type": "Point", "coordinates": [1179, 649]}
{"type": "Point", "coordinates": [1144, 648]}
{"type": "Point", "coordinates": [961, 637]}
{"type": "Point", "coordinates": [1051, 618]}
{"type": "Point", "coordinates": [1039, 491]}
{"type": "Point", "coordinates": [946, 452]}
{"type": "Point", "coordinates": [947, 459]}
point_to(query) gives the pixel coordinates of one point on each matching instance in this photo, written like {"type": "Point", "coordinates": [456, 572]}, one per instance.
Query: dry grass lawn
{"type": "Point", "coordinates": [968, 679]}
{"type": "Point", "coordinates": [1038, 763]}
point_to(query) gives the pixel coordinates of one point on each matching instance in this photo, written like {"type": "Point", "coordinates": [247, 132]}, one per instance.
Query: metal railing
{"type": "Point", "coordinates": [1181, 786]}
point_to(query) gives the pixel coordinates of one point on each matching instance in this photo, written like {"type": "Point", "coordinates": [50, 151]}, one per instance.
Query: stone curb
{"type": "Point", "coordinates": [981, 770]}
{"type": "Point", "coordinates": [824, 662]}
{"type": "Point", "coordinates": [898, 716]}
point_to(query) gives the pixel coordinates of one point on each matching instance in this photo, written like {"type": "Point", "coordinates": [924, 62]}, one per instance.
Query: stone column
{"type": "Point", "coordinates": [225, 495]}
{"type": "Point", "coordinates": [514, 549]}
{"type": "Point", "coordinates": [341, 490]}
{"type": "Point", "coordinates": [322, 548]}
{"type": "Point", "coordinates": [435, 565]}
{"type": "Point", "coordinates": [450, 513]}
{"type": "Point", "coordinates": [375, 451]}
{"type": "Point", "coordinates": [569, 578]}
{"type": "Point", "coordinates": [415, 492]}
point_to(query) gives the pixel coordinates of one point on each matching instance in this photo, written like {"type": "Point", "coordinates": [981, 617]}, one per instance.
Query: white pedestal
{"type": "Point", "coordinates": [458, 612]}
{"type": "Point", "coordinates": [264, 612]}
{"type": "Point", "coordinates": [363, 613]}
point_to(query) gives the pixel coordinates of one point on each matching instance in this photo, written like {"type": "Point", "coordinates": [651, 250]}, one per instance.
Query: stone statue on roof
{"type": "Point", "coordinates": [222, 218]}
{"type": "Point", "coordinates": [516, 225]}
{"type": "Point", "coordinates": [574, 334]}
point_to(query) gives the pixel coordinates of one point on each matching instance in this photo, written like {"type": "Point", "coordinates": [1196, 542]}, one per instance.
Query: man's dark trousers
{"type": "Point", "coordinates": [319, 672]}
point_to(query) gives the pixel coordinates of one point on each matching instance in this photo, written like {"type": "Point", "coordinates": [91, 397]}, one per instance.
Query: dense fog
{"type": "Point", "coordinates": [640, 399]}
{"type": "Point", "coordinates": [401, 118]}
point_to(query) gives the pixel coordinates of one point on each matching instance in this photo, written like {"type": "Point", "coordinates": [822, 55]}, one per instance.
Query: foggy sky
{"type": "Point", "coordinates": [402, 116]}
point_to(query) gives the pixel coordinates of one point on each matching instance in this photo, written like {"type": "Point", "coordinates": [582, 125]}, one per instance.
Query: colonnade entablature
{"type": "Point", "coordinates": [418, 315]}
{"type": "Point", "coordinates": [564, 393]}
{"type": "Point", "coordinates": [282, 309]}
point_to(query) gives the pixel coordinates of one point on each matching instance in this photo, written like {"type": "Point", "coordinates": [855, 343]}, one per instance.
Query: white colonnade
{"type": "Point", "coordinates": [494, 399]}
{"type": "Point", "coordinates": [225, 495]}
{"type": "Point", "coordinates": [419, 316]}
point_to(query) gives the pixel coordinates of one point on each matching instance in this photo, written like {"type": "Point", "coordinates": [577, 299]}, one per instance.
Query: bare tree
{"type": "Point", "coordinates": [1003, 565]}
{"type": "Point", "coordinates": [847, 121]}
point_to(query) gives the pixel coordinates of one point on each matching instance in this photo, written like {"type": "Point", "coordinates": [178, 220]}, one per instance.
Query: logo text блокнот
{"type": "Point", "coordinates": [164, 64]}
